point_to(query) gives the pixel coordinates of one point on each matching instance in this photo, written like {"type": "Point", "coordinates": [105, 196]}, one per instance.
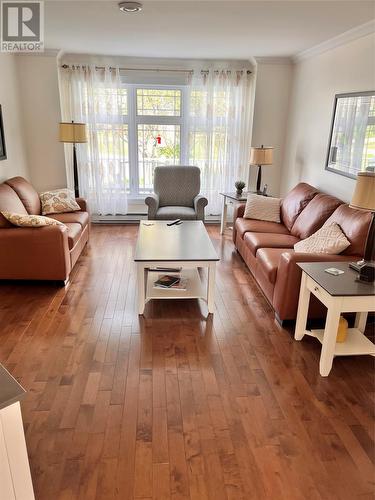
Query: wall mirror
{"type": "Point", "coordinates": [351, 146]}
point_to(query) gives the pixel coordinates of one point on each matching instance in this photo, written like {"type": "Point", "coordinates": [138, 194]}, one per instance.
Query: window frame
{"type": "Point", "coordinates": [133, 119]}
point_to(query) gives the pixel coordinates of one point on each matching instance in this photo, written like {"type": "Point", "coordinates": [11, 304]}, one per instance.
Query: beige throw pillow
{"type": "Point", "coordinates": [58, 201]}
{"type": "Point", "coordinates": [262, 208]}
{"type": "Point", "coordinates": [22, 220]}
{"type": "Point", "coordinates": [328, 239]}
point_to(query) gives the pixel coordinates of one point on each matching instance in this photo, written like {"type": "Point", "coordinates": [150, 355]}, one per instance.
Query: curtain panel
{"type": "Point", "coordinates": [97, 98]}
{"type": "Point", "coordinates": [219, 130]}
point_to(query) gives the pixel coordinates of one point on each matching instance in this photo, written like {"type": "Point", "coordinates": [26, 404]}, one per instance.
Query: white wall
{"type": "Point", "coordinates": [273, 82]}
{"type": "Point", "coordinates": [40, 101]}
{"type": "Point", "coordinates": [347, 68]}
{"type": "Point", "coordinates": [16, 162]}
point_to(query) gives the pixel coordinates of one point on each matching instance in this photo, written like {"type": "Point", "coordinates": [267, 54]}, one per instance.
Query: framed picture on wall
{"type": "Point", "coordinates": [351, 146]}
{"type": "Point", "coordinates": [3, 152]}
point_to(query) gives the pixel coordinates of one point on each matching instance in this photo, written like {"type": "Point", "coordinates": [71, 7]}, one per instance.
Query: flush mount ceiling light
{"type": "Point", "coordinates": [130, 7]}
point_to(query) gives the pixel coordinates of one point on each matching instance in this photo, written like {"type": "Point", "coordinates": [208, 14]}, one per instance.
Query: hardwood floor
{"type": "Point", "coordinates": [174, 406]}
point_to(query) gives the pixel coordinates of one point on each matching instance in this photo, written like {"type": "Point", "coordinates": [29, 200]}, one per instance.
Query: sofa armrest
{"type": "Point", "coordinates": [152, 201]}
{"type": "Point", "coordinates": [239, 211]}
{"type": "Point", "coordinates": [83, 204]}
{"type": "Point", "coordinates": [199, 203]}
{"type": "Point", "coordinates": [286, 292]}
{"type": "Point", "coordinates": [34, 253]}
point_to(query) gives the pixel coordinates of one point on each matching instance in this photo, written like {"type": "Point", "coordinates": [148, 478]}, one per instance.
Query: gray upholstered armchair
{"type": "Point", "coordinates": [176, 194]}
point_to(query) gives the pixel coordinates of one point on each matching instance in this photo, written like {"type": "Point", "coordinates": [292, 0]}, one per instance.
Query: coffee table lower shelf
{"type": "Point", "coordinates": [194, 289]}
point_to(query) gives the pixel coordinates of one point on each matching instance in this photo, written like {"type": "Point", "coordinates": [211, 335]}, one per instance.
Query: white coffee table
{"type": "Point", "coordinates": [187, 246]}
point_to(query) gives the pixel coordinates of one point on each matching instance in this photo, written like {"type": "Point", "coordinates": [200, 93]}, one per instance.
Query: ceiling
{"type": "Point", "coordinates": [201, 30]}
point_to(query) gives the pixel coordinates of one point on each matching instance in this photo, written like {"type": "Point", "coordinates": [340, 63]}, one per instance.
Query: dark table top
{"type": "Point", "coordinates": [10, 389]}
{"type": "Point", "coordinates": [341, 285]}
{"type": "Point", "coordinates": [234, 196]}
{"type": "Point", "coordinates": [188, 241]}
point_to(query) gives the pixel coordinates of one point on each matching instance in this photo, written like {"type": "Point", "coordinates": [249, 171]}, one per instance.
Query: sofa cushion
{"type": "Point", "coordinates": [29, 220]}
{"type": "Point", "coordinates": [242, 226]}
{"type": "Point", "coordinates": [74, 233]}
{"type": "Point", "coordinates": [328, 239]}
{"type": "Point", "coordinates": [176, 212]}
{"type": "Point", "coordinates": [58, 201]}
{"type": "Point", "coordinates": [27, 194]}
{"type": "Point", "coordinates": [262, 208]}
{"type": "Point", "coordinates": [269, 240]}
{"type": "Point", "coordinates": [314, 215]}
{"type": "Point", "coordinates": [268, 259]}
{"type": "Point", "coordinates": [10, 202]}
{"type": "Point", "coordinates": [78, 217]}
{"type": "Point", "coordinates": [295, 201]}
{"type": "Point", "coordinates": [355, 225]}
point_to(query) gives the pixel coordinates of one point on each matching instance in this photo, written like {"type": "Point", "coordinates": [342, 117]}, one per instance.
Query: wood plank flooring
{"type": "Point", "coordinates": [175, 406]}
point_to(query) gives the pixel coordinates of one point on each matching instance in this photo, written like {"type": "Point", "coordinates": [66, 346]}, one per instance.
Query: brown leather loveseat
{"type": "Point", "coordinates": [267, 247]}
{"type": "Point", "coordinates": [45, 253]}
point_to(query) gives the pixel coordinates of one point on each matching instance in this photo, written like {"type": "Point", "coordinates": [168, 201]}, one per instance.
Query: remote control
{"type": "Point", "coordinates": [173, 222]}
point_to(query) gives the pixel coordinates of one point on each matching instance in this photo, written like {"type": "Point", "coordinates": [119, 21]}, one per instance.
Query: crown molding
{"type": "Point", "coordinates": [342, 39]}
{"type": "Point", "coordinates": [45, 53]}
{"type": "Point", "coordinates": [273, 60]}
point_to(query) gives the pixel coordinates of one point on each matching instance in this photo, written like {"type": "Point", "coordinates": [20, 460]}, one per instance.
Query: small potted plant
{"type": "Point", "coordinates": [240, 185]}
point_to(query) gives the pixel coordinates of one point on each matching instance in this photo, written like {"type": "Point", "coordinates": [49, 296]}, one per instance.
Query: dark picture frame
{"type": "Point", "coordinates": [332, 148]}
{"type": "Point", "coordinates": [3, 151]}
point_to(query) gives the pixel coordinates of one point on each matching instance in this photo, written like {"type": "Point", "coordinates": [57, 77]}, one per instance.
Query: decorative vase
{"type": "Point", "coordinates": [239, 192]}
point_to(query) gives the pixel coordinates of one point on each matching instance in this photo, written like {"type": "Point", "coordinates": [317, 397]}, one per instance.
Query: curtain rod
{"type": "Point", "coordinates": [67, 66]}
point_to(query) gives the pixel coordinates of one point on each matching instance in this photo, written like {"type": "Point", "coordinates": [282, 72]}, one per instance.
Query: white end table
{"type": "Point", "coordinates": [339, 294]}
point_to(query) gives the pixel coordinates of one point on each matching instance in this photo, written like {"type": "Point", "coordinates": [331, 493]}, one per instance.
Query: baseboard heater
{"type": "Point", "coordinates": [134, 218]}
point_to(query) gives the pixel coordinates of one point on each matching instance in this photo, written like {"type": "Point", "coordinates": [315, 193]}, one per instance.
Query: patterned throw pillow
{"type": "Point", "coordinates": [328, 239]}
{"type": "Point", "coordinates": [23, 220]}
{"type": "Point", "coordinates": [58, 201]}
{"type": "Point", "coordinates": [262, 208]}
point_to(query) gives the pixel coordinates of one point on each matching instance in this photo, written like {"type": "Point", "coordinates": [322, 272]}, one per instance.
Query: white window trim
{"type": "Point", "coordinates": [132, 119]}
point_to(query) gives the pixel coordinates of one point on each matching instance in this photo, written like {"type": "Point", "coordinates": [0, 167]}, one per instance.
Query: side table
{"type": "Point", "coordinates": [339, 294]}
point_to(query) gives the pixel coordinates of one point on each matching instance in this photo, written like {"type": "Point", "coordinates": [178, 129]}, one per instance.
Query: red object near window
{"type": "Point", "coordinates": [158, 139]}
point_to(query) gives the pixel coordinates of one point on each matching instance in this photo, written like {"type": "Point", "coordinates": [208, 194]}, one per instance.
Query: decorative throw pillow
{"type": "Point", "coordinates": [262, 208]}
{"type": "Point", "coordinates": [23, 220]}
{"type": "Point", "coordinates": [58, 201]}
{"type": "Point", "coordinates": [328, 239]}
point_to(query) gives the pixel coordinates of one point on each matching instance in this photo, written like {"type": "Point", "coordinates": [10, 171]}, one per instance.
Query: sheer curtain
{"type": "Point", "coordinates": [219, 130]}
{"type": "Point", "coordinates": [98, 98]}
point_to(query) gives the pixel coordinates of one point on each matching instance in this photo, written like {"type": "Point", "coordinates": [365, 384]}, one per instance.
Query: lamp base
{"type": "Point", "coordinates": [366, 272]}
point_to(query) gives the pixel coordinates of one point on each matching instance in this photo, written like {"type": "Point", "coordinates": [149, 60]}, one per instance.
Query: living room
{"type": "Point", "coordinates": [221, 153]}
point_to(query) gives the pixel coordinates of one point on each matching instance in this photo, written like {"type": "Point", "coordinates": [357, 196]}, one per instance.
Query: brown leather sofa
{"type": "Point", "coordinates": [46, 253]}
{"type": "Point", "coordinates": [267, 247]}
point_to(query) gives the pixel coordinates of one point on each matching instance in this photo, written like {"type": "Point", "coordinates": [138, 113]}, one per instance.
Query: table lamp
{"type": "Point", "coordinates": [261, 156]}
{"type": "Point", "coordinates": [73, 133]}
{"type": "Point", "coordinates": [364, 199]}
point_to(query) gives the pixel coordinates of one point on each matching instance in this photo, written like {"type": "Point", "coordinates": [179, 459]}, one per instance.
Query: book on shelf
{"type": "Point", "coordinates": [181, 285]}
{"type": "Point", "coordinates": [171, 282]}
{"type": "Point", "coordinates": [166, 281]}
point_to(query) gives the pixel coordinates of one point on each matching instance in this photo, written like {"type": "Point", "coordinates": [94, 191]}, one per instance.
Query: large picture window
{"type": "Point", "coordinates": [136, 122]}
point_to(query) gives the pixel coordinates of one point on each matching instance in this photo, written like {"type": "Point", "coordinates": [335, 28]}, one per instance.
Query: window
{"type": "Point", "coordinates": [147, 126]}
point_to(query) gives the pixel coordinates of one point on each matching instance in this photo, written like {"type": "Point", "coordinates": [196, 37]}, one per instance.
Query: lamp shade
{"type": "Point", "coordinates": [261, 156]}
{"type": "Point", "coordinates": [364, 193]}
{"type": "Point", "coordinates": [72, 132]}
